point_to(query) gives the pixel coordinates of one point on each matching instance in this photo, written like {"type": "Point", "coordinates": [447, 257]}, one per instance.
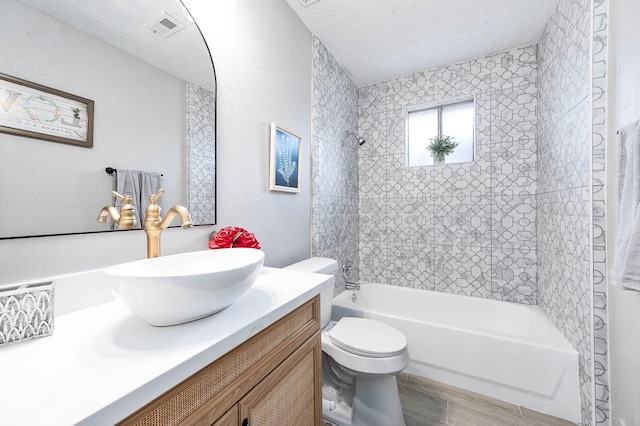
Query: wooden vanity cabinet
{"type": "Point", "coordinates": [274, 378]}
{"type": "Point", "coordinates": [285, 396]}
{"type": "Point", "coordinates": [230, 418]}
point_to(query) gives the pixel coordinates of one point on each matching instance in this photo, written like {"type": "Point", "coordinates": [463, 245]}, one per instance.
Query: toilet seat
{"type": "Point", "coordinates": [368, 338]}
{"type": "Point", "coordinates": [366, 359]}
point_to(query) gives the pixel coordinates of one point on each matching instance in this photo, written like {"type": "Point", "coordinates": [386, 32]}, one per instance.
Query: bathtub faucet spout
{"type": "Point", "coordinates": [351, 286]}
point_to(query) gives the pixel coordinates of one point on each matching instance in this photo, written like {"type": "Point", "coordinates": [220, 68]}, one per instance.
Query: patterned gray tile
{"type": "Point", "coordinates": [201, 154]}
{"type": "Point", "coordinates": [335, 189]}
{"type": "Point", "coordinates": [463, 268]}
{"type": "Point", "coordinates": [371, 99]}
{"type": "Point", "coordinates": [335, 172]}
{"type": "Point", "coordinates": [563, 226]}
{"type": "Point", "coordinates": [483, 137]}
{"type": "Point", "coordinates": [564, 59]}
{"type": "Point", "coordinates": [335, 220]}
{"type": "Point", "coordinates": [514, 273]}
{"type": "Point", "coordinates": [411, 265]}
{"type": "Point", "coordinates": [396, 132]}
{"type": "Point", "coordinates": [374, 262]}
{"type": "Point", "coordinates": [407, 91]}
{"type": "Point", "coordinates": [372, 128]}
{"type": "Point", "coordinates": [514, 167]}
{"type": "Point", "coordinates": [426, 209]}
{"type": "Point", "coordinates": [466, 220]}
{"type": "Point", "coordinates": [409, 219]}
{"type": "Point", "coordinates": [372, 219]}
{"type": "Point", "coordinates": [335, 99]}
{"type": "Point", "coordinates": [372, 176]}
{"type": "Point", "coordinates": [513, 221]}
{"type": "Point", "coordinates": [514, 113]}
{"type": "Point", "coordinates": [408, 181]}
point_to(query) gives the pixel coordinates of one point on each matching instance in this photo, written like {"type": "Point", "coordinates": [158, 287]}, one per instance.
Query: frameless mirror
{"type": "Point", "coordinates": [149, 73]}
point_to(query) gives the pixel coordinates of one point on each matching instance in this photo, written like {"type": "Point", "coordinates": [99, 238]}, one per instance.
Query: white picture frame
{"type": "Point", "coordinates": [284, 170]}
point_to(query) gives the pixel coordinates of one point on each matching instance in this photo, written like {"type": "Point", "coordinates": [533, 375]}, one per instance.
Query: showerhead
{"type": "Point", "coordinates": [358, 139]}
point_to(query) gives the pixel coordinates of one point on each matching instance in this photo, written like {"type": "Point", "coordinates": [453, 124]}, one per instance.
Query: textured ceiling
{"type": "Point", "coordinates": [121, 23]}
{"type": "Point", "coordinates": [375, 40]}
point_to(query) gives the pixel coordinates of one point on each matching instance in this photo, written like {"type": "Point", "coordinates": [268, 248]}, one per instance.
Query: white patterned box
{"type": "Point", "coordinates": [26, 312]}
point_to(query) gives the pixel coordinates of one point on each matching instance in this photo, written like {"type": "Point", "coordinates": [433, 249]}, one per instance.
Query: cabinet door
{"type": "Point", "coordinates": [230, 418]}
{"type": "Point", "coordinates": [291, 395]}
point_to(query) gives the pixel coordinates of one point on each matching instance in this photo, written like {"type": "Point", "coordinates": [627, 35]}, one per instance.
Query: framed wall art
{"type": "Point", "coordinates": [32, 110]}
{"type": "Point", "coordinates": [284, 170]}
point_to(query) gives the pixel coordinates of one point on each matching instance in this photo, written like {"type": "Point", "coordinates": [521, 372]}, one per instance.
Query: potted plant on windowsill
{"type": "Point", "coordinates": [440, 147]}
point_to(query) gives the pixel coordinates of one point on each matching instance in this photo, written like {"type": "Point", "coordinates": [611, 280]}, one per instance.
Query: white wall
{"type": "Point", "coordinates": [624, 306]}
{"type": "Point", "coordinates": [262, 55]}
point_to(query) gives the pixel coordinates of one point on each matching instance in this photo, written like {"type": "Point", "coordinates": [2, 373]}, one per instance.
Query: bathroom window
{"type": "Point", "coordinates": [455, 118]}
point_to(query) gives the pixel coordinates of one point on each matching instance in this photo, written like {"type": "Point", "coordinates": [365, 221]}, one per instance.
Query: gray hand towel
{"type": "Point", "coordinates": [626, 265]}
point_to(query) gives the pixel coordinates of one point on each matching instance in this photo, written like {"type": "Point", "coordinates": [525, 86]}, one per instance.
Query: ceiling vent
{"type": "Point", "coordinates": [306, 3]}
{"type": "Point", "coordinates": [165, 25]}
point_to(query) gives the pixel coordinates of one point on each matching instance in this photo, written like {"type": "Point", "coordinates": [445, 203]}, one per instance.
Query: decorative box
{"type": "Point", "coordinates": [26, 312]}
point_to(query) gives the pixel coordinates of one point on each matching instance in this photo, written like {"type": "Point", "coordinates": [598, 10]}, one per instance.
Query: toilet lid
{"type": "Point", "coordinates": [366, 337]}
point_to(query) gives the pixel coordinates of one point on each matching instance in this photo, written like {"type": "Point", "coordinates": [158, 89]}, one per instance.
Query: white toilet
{"type": "Point", "coordinates": [360, 360]}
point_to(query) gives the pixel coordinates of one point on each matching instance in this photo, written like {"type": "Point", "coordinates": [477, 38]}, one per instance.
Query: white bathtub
{"type": "Point", "coordinates": [503, 350]}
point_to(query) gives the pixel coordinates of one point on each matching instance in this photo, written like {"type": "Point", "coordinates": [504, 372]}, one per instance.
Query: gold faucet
{"type": "Point", "coordinates": [125, 218]}
{"type": "Point", "coordinates": [154, 224]}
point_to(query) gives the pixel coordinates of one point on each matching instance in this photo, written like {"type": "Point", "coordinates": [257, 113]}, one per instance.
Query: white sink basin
{"type": "Point", "coordinates": [185, 287]}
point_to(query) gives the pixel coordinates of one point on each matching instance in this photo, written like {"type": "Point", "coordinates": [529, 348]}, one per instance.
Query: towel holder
{"type": "Point", "coordinates": [111, 171]}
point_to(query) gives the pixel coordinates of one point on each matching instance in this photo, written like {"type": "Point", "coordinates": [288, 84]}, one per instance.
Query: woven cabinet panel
{"type": "Point", "coordinates": [208, 382]}
{"type": "Point", "coordinates": [291, 401]}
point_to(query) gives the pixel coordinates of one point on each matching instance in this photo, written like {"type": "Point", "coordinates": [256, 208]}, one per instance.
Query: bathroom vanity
{"type": "Point", "coordinates": [272, 377]}
{"type": "Point", "coordinates": [257, 362]}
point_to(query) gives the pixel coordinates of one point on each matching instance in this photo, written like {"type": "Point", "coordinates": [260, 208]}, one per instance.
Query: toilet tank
{"type": "Point", "coordinates": [320, 265]}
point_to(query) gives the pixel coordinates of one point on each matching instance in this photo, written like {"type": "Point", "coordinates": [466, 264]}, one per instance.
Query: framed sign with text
{"type": "Point", "coordinates": [36, 111]}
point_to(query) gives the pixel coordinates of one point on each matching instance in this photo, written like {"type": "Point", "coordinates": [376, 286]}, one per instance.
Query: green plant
{"type": "Point", "coordinates": [441, 146]}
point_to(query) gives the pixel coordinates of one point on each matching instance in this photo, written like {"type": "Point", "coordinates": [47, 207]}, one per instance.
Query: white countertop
{"type": "Point", "coordinates": [103, 363]}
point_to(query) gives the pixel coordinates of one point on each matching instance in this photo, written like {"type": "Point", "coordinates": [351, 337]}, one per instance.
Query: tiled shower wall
{"type": "Point", "coordinates": [444, 227]}
{"type": "Point", "coordinates": [334, 190]}
{"type": "Point", "coordinates": [201, 154]}
{"type": "Point", "coordinates": [564, 182]}
{"type": "Point", "coordinates": [460, 228]}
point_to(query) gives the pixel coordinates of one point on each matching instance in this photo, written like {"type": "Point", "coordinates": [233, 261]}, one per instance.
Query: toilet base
{"type": "Point", "coordinates": [375, 402]}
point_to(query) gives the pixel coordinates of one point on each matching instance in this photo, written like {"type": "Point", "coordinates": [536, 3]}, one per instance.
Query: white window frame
{"type": "Point", "coordinates": [439, 105]}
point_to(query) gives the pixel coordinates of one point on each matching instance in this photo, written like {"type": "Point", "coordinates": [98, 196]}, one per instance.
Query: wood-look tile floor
{"type": "Point", "coordinates": [429, 403]}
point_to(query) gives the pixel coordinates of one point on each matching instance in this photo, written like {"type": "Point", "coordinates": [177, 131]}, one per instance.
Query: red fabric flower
{"type": "Point", "coordinates": [246, 239]}
{"type": "Point", "coordinates": [233, 236]}
{"type": "Point", "coordinates": [223, 238]}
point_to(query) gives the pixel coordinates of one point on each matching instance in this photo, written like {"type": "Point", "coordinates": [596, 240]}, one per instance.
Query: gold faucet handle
{"type": "Point", "coordinates": [153, 210]}
{"type": "Point", "coordinates": [125, 198]}
{"type": "Point", "coordinates": [154, 198]}
{"type": "Point", "coordinates": [127, 212]}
